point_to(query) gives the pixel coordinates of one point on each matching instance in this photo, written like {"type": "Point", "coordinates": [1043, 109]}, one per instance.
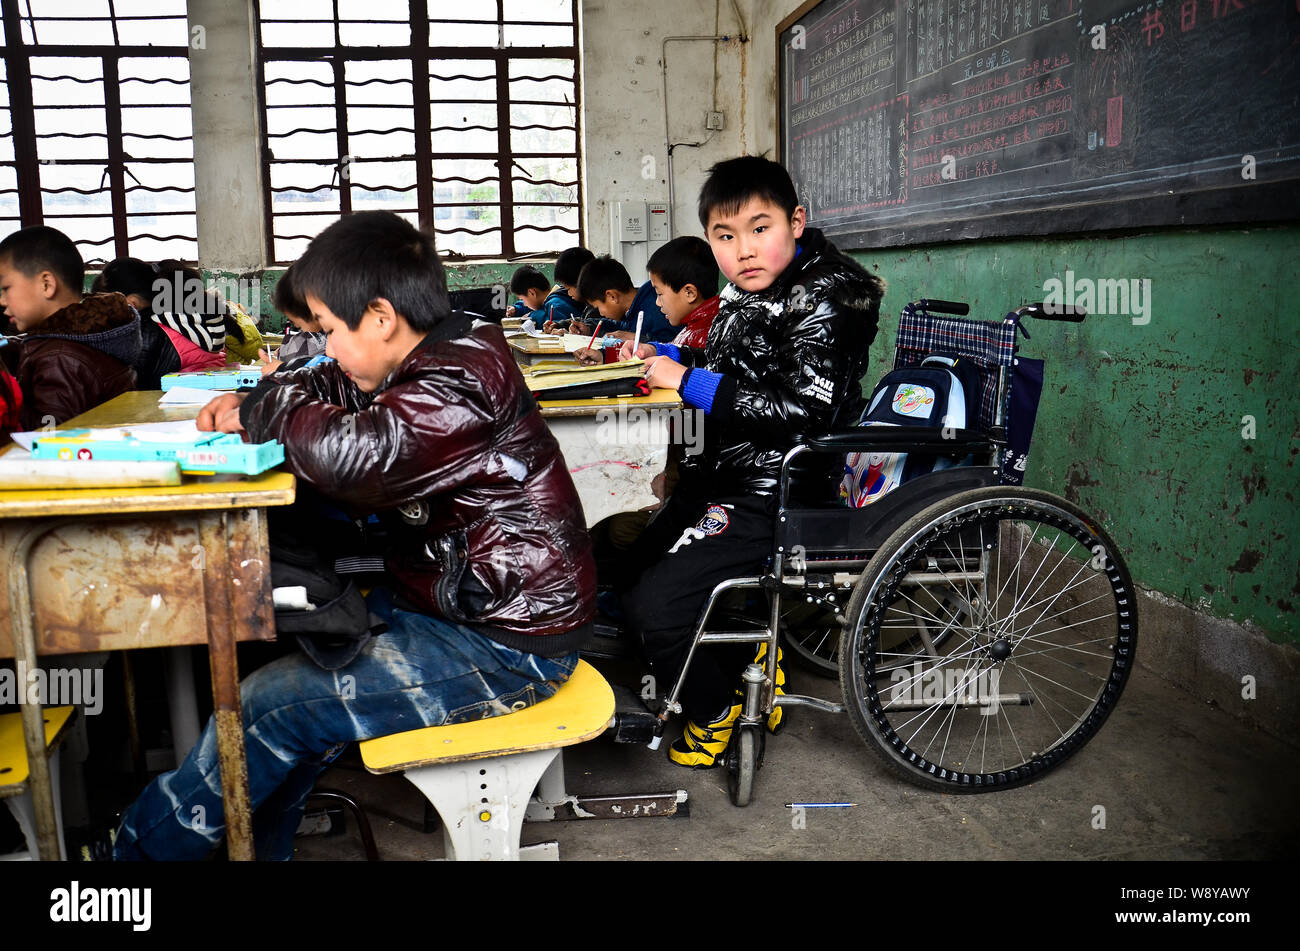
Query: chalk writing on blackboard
{"type": "Point", "coordinates": [909, 120]}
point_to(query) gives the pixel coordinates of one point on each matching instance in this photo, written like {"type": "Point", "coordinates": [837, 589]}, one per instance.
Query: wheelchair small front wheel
{"type": "Point", "coordinates": [744, 756]}
{"type": "Point", "coordinates": [1038, 618]}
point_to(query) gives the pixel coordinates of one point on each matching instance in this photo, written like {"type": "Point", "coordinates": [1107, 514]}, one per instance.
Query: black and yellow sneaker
{"type": "Point", "coordinates": [701, 747]}
{"type": "Point", "coordinates": [776, 720]}
{"type": "Point", "coordinates": [96, 844]}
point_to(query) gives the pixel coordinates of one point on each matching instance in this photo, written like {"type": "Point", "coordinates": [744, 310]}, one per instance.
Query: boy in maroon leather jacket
{"type": "Point", "coordinates": [428, 423]}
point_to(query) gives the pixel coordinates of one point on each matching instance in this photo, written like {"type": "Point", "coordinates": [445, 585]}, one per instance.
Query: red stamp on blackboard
{"type": "Point", "coordinates": [1114, 121]}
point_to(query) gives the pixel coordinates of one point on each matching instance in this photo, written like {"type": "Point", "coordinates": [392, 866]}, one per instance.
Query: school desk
{"type": "Point", "coordinates": [615, 446]}
{"type": "Point", "coordinates": [529, 350]}
{"type": "Point", "coordinates": [117, 569]}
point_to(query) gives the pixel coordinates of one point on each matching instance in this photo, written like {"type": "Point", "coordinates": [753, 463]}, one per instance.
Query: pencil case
{"type": "Point", "coordinates": [213, 379]}
{"type": "Point", "coordinates": [203, 453]}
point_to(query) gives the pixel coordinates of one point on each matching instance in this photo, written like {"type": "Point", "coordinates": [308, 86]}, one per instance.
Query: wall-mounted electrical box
{"type": "Point", "coordinates": [658, 217]}
{"type": "Point", "coordinates": [630, 220]}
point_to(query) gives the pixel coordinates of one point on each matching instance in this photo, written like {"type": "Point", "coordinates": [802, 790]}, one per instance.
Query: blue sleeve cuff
{"type": "Point", "coordinates": [699, 388]}
{"type": "Point", "coordinates": [670, 351]}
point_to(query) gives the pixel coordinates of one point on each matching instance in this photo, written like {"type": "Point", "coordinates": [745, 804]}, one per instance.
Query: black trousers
{"type": "Point", "coordinates": [696, 541]}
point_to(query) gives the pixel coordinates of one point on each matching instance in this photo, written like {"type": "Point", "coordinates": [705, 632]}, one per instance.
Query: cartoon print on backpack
{"type": "Point", "coordinates": [942, 391]}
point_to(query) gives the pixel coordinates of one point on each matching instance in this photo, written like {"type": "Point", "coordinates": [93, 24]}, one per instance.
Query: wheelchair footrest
{"type": "Point", "coordinates": [633, 726]}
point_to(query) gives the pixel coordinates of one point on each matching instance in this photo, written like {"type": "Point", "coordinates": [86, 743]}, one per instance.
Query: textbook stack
{"type": "Point", "coordinates": [571, 382]}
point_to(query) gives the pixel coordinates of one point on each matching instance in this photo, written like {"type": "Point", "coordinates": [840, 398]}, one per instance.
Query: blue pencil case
{"type": "Point", "coordinates": [201, 453]}
{"type": "Point", "coordinates": [213, 379]}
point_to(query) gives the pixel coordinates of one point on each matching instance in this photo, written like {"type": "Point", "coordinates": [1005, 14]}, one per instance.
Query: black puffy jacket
{"type": "Point", "coordinates": [791, 357]}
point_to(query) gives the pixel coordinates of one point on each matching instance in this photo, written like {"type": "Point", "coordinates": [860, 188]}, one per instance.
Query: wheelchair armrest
{"type": "Point", "coordinates": [900, 439]}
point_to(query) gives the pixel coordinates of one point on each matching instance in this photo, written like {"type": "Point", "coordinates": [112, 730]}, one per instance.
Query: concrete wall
{"type": "Point", "coordinates": [625, 149]}
{"type": "Point", "coordinates": [227, 133]}
{"type": "Point", "coordinates": [1149, 426]}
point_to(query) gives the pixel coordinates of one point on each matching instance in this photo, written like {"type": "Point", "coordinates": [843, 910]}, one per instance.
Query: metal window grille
{"type": "Point", "coordinates": [95, 125]}
{"type": "Point", "coordinates": [460, 115]}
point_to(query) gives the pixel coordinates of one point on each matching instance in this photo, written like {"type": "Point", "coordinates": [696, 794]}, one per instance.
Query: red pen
{"type": "Point", "coordinates": [592, 342]}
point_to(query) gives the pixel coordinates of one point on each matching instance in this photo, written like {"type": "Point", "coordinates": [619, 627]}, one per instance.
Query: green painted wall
{"type": "Point", "coordinates": [1149, 425]}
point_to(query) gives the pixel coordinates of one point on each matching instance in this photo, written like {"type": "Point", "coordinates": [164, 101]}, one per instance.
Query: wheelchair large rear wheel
{"type": "Point", "coordinates": [1039, 618]}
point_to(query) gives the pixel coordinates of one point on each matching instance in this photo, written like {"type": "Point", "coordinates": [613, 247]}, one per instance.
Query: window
{"type": "Point", "coordinates": [95, 130]}
{"type": "Point", "coordinates": [460, 115]}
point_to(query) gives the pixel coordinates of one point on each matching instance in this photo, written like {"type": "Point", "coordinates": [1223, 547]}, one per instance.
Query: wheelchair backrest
{"type": "Point", "coordinates": [987, 345]}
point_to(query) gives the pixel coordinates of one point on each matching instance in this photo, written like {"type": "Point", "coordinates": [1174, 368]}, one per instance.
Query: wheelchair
{"type": "Point", "coordinates": [981, 632]}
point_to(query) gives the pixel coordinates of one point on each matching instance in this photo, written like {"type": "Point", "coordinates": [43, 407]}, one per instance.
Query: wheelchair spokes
{"type": "Point", "coordinates": [917, 626]}
{"type": "Point", "coordinates": [813, 636]}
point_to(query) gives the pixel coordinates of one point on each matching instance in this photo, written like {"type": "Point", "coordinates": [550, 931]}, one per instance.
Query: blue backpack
{"type": "Point", "coordinates": [943, 391]}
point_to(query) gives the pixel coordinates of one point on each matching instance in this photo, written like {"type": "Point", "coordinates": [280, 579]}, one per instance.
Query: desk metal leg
{"type": "Point", "coordinates": [181, 701]}
{"type": "Point", "coordinates": [48, 847]}
{"type": "Point", "coordinates": [214, 536]}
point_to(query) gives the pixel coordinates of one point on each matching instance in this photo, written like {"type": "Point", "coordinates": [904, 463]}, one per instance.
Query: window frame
{"type": "Point", "coordinates": [420, 55]}
{"type": "Point", "coordinates": [17, 55]}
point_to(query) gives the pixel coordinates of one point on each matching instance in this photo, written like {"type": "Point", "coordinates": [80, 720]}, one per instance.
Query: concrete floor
{"type": "Point", "coordinates": [1178, 780]}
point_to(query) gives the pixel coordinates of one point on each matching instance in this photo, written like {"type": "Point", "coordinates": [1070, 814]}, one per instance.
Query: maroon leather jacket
{"type": "Point", "coordinates": [453, 454]}
{"type": "Point", "coordinates": [78, 357]}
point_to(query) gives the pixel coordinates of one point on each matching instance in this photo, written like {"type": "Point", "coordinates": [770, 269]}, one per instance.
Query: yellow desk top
{"type": "Point", "coordinates": [138, 406]}
{"type": "Point", "coordinates": [194, 494]}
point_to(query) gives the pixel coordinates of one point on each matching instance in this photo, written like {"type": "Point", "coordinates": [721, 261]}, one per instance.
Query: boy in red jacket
{"type": "Point", "coordinates": [11, 403]}
{"type": "Point", "coordinates": [685, 276]}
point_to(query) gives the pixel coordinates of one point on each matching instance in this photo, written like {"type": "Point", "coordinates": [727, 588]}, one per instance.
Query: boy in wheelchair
{"type": "Point", "coordinates": [783, 361]}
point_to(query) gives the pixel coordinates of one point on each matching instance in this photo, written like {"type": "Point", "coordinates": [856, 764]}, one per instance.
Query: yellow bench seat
{"type": "Point", "coordinates": [480, 775]}
{"type": "Point", "coordinates": [14, 772]}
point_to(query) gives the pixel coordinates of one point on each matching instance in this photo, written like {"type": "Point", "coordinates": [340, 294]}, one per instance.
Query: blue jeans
{"type": "Point", "coordinates": [423, 671]}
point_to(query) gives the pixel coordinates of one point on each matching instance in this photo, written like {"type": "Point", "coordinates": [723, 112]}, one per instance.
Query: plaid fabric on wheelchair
{"type": "Point", "coordinates": [988, 345]}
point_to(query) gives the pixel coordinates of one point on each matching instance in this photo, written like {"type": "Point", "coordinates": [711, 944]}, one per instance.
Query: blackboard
{"type": "Point", "coordinates": [907, 121]}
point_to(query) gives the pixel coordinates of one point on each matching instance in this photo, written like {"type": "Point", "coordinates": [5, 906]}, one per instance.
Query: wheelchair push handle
{"type": "Point", "coordinates": [956, 308]}
{"type": "Point", "coordinates": [1042, 311]}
